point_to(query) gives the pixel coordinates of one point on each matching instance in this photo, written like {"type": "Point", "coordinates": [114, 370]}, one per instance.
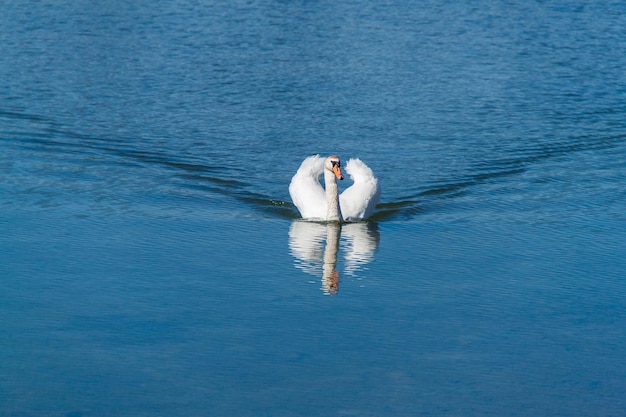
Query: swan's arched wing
{"type": "Point", "coordinates": [306, 192]}
{"type": "Point", "coordinates": [358, 201]}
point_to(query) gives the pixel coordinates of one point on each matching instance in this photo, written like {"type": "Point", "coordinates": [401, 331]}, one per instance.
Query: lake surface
{"type": "Point", "coordinates": [151, 261]}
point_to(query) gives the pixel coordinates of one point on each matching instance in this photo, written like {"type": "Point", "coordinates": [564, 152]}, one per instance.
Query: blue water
{"type": "Point", "coordinates": [151, 261]}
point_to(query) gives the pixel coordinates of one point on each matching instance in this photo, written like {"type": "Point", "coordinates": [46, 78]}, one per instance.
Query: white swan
{"type": "Point", "coordinates": [357, 202]}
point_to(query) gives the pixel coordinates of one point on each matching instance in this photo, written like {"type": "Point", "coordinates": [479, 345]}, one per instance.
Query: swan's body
{"type": "Point", "coordinates": [314, 202]}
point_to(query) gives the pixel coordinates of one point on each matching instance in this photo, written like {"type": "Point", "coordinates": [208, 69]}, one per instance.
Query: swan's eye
{"type": "Point", "coordinates": [333, 163]}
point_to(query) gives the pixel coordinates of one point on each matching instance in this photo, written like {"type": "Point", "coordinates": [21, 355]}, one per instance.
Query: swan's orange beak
{"type": "Point", "coordinates": [337, 171]}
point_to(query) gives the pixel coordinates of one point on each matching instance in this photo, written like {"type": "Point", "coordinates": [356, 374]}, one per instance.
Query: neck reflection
{"type": "Point", "coordinates": [316, 248]}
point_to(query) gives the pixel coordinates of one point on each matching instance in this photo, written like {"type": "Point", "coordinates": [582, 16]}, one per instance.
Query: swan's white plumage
{"type": "Point", "coordinates": [306, 191]}
{"type": "Point", "coordinates": [357, 202]}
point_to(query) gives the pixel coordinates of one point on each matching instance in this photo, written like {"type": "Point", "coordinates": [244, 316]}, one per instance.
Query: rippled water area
{"type": "Point", "coordinates": [152, 262]}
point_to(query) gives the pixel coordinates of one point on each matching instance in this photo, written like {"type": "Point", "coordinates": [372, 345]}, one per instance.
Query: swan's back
{"type": "Point", "coordinates": [306, 192]}
{"type": "Point", "coordinates": [358, 201]}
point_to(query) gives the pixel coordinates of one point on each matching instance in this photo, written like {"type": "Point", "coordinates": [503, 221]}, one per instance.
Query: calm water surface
{"type": "Point", "coordinates": [151, 262]}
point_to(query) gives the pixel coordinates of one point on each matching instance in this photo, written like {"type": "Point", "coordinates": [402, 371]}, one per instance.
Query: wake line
{"type": "Point", "coordinates": [488, 171]}
{"type": "Point", "coordinates": [198, 175]}
{"type": "Point", "coordinates": [50, 138]}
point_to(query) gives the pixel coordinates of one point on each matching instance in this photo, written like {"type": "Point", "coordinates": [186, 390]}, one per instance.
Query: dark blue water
{"type": "Point", "coordinates": [151, 262]}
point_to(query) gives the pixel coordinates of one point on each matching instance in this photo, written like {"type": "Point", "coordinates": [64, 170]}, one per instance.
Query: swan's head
{"type": "Point", "coordinates": [334, 164]}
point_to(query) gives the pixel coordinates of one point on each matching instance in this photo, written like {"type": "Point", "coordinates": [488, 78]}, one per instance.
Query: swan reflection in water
{"type": "Point", "coordinates": [315, 247]}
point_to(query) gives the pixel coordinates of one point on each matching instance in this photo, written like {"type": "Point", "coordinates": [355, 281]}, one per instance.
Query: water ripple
{"type": "Point", "coordinates": [202, 174]}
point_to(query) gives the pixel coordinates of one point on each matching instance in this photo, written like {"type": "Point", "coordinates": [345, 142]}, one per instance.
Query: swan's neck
{"type": "Point", "coordinates": [332, 197]}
